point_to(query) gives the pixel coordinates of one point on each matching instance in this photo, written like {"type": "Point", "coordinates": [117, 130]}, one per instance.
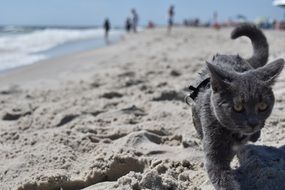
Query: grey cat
{"type": "Point", "coordinates": [232, 102]}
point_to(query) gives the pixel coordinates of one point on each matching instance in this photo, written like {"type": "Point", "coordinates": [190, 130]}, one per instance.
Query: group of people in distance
{"type": "Point", "coordinates": [131, 23]}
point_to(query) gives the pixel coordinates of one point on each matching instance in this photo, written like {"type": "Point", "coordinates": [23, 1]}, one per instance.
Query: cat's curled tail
{"type": "Point", "coordinates": [258, 40]}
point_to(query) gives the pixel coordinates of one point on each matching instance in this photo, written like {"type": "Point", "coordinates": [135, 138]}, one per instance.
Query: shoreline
{"type": "Point", "coordinates": [31, 46]}
{"type": "Point", "coordinates": [14, 75]}
{"type": "Point", "coordinates": [50, 67]}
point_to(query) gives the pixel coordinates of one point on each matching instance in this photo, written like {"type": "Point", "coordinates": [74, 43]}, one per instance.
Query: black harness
{"type": "Point", "coordinates": [195, 91]}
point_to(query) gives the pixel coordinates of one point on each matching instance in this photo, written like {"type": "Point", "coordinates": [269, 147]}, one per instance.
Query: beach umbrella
{"type": "Point", "coordinates": [260, 20]}
{"type": "Point", "coordinates": [279, 3]}
{"type": "Point", "coordinates": [241, 18]}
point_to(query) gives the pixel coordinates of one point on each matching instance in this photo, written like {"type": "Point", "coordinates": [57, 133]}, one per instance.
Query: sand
{"type": "Point", "coordinates": [116, 117]}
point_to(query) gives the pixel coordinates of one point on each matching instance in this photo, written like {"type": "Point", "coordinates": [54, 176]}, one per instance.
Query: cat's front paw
{"type": "Point", "coordinates": [236, 185]}
{"type": "Point", "coordinates": [226, 181]}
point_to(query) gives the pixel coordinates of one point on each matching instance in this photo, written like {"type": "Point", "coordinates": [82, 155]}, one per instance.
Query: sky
{"type": "Point", "coordinates": [93, 12]}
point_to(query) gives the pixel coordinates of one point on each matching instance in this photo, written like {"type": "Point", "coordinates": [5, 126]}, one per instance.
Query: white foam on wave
{"type": "Point", "coordinates": [23, 49]}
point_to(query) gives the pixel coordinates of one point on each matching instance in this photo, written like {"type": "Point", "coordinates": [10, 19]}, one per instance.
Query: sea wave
{"type": "Point", "coordinates": [25, 48]}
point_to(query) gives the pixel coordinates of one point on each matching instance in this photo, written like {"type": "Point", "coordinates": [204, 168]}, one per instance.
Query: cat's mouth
{"type": "Point", "coordinates": [248, 133]}
{"type": "Point", "coordinates": [250, 130]}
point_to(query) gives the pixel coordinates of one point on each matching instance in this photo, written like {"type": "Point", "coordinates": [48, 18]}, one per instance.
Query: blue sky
{"type": "Point", "coordinates": [93, 12]}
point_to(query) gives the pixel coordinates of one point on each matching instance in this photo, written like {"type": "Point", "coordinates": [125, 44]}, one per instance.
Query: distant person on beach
{"type": "Point", "coordinates": [135, 20]}
{"type": "Point", "coordinates": [216, 24]}
{"type": "Point", "coordinates": [150, 25]}
{"type": "Point", "coordinates": [128, 24]}
{"type": "Point", "coordinates": [170, 18]}
{"type": "Point", "coordinates": [107, 27]}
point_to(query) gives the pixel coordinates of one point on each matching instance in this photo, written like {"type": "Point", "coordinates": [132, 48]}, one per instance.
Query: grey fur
{"type": "Point", "coordinates": [233, 80]}
{"type": "Point", "coordinates": [259, 43]}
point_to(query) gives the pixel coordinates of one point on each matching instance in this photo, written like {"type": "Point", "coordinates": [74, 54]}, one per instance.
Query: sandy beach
{"type": "Point", "coordinates": [116, 117]}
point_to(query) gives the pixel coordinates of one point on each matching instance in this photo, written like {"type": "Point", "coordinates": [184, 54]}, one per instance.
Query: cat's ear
{"type": "Point", "coordinates": [220, 79]}
{"type": "Point", "coordinates": [270, 71]}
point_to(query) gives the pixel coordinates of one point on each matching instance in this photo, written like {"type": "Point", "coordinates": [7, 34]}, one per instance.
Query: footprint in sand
{"type": "Point", "coordinates": [175, 73]}
{"type": "Point", "coordinates": [18, 112]}
{"type": "Point", "coordinates": [111, 95]}
{"type": "Point", "coordinates": [170, 95]}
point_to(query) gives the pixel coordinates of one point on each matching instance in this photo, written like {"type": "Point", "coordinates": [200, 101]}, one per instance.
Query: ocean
{"type": "Point", "coordinates": [21, 46]}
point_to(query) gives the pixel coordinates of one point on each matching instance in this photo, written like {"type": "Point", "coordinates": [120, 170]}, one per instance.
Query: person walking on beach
{"type": "Point", "coordinates": [135, 20]}
{"type": "Point", "coordinates": [128, 24]}
{"type": "Point", "coordinates": [107, 27]}
{"type": "Point", "coordinates": [216, 24]}
{"type": "Point", "coordinates": [170, 18]}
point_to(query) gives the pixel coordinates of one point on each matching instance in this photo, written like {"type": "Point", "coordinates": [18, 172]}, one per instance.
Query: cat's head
{"type": "Point", "coordinates": [243, 101]}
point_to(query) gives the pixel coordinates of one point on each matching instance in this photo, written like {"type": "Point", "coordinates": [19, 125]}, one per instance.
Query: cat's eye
{"type": "Point", "coordinates": [262, 106]}
{"type": "Point", "coordinates": [238, 107]}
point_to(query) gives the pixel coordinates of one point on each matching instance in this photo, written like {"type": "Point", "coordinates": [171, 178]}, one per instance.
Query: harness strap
{"type": "Point", "coordinates": [196, 90]}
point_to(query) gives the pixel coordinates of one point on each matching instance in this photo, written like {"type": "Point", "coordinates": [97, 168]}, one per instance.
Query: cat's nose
{"type": "Point", "coordinates": [253, 122]}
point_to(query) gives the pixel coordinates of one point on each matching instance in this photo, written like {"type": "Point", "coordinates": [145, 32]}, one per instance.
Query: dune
{"type": "Point", "coordinates": [115, 117]}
